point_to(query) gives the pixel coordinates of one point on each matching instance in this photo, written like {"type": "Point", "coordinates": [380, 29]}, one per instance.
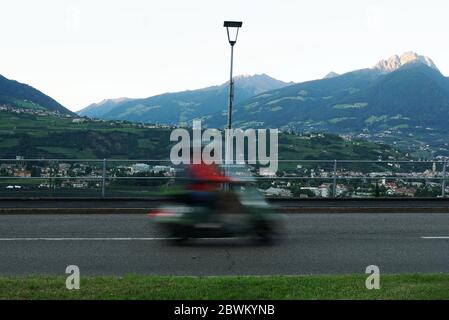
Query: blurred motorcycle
{"type": "Point", "coordinates": [240, 211]}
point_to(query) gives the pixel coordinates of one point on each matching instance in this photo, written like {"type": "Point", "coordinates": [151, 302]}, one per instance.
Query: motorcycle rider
{"type": "Point", "coordinates": [204, 183]}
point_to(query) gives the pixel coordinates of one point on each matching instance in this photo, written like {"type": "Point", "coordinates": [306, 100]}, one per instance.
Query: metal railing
{"type": "Point", "coordinates": [336, 173]}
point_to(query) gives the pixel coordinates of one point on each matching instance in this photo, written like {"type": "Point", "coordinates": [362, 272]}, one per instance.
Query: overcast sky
{"type": "Point", "coordinates": [80, 52]}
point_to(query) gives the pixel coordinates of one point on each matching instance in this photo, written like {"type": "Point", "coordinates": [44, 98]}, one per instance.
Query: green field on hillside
{"type": "Point", "coordinates": [33, 136]}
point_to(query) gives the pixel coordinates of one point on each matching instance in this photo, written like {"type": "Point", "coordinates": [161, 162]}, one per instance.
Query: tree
{"type": "Point", "coordinates": [296, 190]}
{"type": "Point", "coordinates": [35, 171]}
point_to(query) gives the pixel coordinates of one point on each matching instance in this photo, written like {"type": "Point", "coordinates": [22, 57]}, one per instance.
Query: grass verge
{"type": "Point", "coordinates": [407, 287]}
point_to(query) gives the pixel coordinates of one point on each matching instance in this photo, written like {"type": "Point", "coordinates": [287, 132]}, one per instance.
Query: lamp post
{"type": "Point", "coordinates": [232, 29]}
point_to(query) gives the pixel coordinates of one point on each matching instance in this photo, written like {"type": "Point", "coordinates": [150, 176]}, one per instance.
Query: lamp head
{"type": "Point", "coordinates": [232, 28]}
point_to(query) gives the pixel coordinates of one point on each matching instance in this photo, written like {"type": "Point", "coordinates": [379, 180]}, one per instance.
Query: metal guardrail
{"type": "Point", "coordinates": [334, 174]}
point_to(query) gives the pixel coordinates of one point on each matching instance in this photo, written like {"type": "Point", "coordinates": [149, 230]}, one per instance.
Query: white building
{"type": "Point", "coordinates": [158, 169]}
{"type": "Point", "coordinates": [266, 172]}
{"type": "Point", "coordinates": [139, 168]}
{"type": "Point", "coordinates": [277, 192]}
{"type": "Point", "coordinates": [78, 120]}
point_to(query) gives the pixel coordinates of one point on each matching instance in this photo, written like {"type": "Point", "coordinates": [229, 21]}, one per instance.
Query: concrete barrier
{"type": "Point", "coordinates": [143, 205]}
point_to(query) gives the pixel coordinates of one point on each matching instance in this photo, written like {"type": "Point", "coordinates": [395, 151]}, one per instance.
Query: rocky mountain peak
{"type": "Point", "coordinates": [330, 75]}
{"type": "Point", "coordinates": [395, 62]}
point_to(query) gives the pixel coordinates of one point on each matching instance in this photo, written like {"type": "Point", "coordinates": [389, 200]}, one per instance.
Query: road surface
{"type": "Point", "coordinates": [314, 244]}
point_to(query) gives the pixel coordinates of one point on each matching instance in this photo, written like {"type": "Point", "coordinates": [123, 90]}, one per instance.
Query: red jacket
{"type": "Point", "coordinates": [205, 177]}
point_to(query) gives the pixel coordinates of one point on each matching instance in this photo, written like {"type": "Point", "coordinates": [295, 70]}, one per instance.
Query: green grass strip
{"type": "Point", "coordinates": [407, 287]}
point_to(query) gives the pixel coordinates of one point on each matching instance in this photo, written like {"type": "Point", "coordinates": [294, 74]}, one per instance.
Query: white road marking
{"type": "Point", "coordinates": [103, 239]}
{"type": "Point", "coordinates": [85, 239]}
{"type": "Point", "coordinates": [435, 238]}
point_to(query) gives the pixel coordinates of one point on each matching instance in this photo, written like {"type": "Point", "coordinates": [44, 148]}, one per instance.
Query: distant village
{"type": "Point", "coordinates": [43, 174]}
{"type": "Point", "coordinates": [75, 118]}
{"type": "Point", "coordinates": [33, 111]}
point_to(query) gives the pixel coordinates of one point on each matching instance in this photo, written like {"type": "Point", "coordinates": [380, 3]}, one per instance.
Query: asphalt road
{"type": "Point", "coordinates": [314, 244]}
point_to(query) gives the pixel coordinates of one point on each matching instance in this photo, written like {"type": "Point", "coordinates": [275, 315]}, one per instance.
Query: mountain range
{"type": "Point", "coordinates": [20, 95]}
{"type": "Point", "coordinates": [406, 91]}
{"type": "Point", "coordinates": [403, 99]}
{"type": "Point", "coordinates": [182, 107]}
{"type": "Point", "coordinates": [396, 93]}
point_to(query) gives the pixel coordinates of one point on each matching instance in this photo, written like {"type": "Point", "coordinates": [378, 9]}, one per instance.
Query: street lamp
{"type": "Point", "coordinates": [232, 29]}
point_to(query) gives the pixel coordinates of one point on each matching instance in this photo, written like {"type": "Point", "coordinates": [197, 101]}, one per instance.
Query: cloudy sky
{"type": "Point", "coordinates": [80, 52]}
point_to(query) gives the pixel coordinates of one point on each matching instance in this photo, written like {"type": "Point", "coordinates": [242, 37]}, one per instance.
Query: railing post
{"type": "Point", "coordinates": [443, 184]}
{"type": "Point", "coordinates": [103, 181]}
{"type": "Point", "coordinates": [334, 188]}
